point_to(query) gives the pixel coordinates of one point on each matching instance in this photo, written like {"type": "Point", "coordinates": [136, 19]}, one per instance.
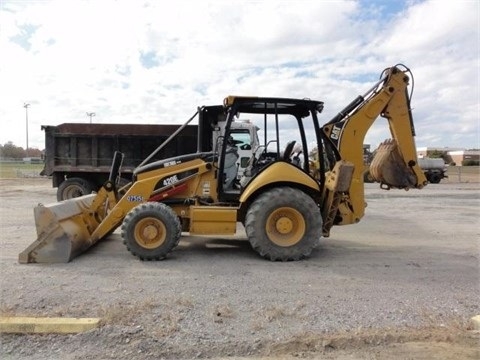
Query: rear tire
{"type": "Point", "coordinates": [283, 224]}
{"type": "Point", "coordinates": [74, 187]}
{"type": "Point", "coordinates": [151, 230]}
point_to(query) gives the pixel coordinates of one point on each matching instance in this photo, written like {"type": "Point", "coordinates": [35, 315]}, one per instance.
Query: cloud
{"type": "Point", "coordinates": [144, 62]}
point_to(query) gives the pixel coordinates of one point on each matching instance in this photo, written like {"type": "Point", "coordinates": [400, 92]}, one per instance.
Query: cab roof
{"type": "Point", "coordinates": [273, 105]}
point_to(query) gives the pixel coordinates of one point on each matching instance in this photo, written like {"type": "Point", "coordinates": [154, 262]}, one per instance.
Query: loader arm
{"type": "Point", "coordinates": [396, 164]}
{"type": "Point", "coordinates": [148, 186]}
{"type": "Point", "coordinates": [68, 228]}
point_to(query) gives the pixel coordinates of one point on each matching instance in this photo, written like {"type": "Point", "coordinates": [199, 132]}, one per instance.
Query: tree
{"type": "Point", "coordinates": [33, 152]}
{"type": "Point", "coordinates": [436, 154]}
{"type": "Point", "coordinates": [9, 150]}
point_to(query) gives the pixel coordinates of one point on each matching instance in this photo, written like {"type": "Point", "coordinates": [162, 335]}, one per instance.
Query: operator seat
{"type": "Point", "coordinates": [230, 165]}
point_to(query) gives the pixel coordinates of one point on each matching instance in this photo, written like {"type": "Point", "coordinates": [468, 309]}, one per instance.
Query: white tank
{"type": "Point", "coordinates": [431, 163]}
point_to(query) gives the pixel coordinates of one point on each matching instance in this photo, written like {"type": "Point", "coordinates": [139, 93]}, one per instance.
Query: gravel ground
{"type": "Point", "coordinates": [403, 281]}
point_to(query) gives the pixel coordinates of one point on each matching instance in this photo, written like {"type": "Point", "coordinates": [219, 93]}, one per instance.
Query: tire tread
{"type": "Point", "coordinates": [296, 198]}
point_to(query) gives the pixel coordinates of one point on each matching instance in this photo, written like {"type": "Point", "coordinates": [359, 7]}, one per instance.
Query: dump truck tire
{"type": "Point", "coordinates": [434, 178]}
{"type": "Point", "coordinates": [283, 224]}
{"type": "Point", "coordinates": [74, 187]}
{"type": "Point", "coordinates": [151, 230]}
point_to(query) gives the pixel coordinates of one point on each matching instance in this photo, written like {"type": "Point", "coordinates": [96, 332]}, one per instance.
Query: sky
{"type": "Point", "coordinates": [154, 62]}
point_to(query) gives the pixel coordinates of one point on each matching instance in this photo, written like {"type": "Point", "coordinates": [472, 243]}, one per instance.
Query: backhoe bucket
{"type": "Point", "coordinates": [389, 168]}
{"type": "Point", "coordinates": [62, 232]}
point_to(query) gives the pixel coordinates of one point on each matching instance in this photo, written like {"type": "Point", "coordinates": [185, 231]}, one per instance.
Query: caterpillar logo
{"type": "Point", "coordinates": [336, 132]}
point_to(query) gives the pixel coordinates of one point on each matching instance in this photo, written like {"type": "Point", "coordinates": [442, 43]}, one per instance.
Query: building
{"type": "Point", "coordinates": [465, 157]}
{"type": "Point", "coordinates": [427, 151]}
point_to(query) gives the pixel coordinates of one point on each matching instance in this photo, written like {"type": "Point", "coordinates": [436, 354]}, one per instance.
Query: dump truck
{"type": "Point", "coordinates": [78, 156]}
{"type": "Point", "coordinates": [286, 199]}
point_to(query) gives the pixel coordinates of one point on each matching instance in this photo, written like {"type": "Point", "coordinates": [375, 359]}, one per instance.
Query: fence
{"type": "Point", "coordinates": [463, 173]}
{"type": "Point", "coordinates": [19, 170]}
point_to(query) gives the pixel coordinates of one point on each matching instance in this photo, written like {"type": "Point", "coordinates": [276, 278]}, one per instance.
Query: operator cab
{"type": "Point", "coordinates": [285, 127]}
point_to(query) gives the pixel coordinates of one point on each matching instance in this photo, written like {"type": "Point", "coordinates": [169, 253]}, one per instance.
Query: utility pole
{"type": "Point", "coordinates": [90, 114]}
{"type": "Point", "coordinates": [26, 105]}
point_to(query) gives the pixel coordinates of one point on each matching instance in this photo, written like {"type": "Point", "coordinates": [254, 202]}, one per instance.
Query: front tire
{"type": "Point", "coordinates": [283, 224]}
{"type": "Point", "coordinates": [151, 230]}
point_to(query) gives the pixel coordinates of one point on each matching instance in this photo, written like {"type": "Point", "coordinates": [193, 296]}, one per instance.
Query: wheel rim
{"type": "Point", "coordinates": [285, 226]}
{"type": "Point", "coordinates": [150, 233]}
{"type": "Point", "coordinates": [72, 191]}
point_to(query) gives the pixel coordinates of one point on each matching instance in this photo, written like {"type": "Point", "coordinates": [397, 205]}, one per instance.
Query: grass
{"type": "Point", "coordinates": [168, 314]}
{"type": "Point", "coordinates": [125, 314]}
{"type": "Point", "coordinates": [221, 312]}
{"type": "Point", "coordinates": [275, 314]}
{"type": "Point", "coordinates": [19, 170]}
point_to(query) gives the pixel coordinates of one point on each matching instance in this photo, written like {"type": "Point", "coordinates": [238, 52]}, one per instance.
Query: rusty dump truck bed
{"type": "Point", "coordinates": [86, 150]}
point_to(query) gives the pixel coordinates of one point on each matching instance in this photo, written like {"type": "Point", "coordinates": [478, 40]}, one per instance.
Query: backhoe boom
{"type": "Point", "coordinates": [395, 165]}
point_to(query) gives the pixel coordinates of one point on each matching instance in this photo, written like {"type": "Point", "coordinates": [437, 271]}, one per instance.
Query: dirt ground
{"type": "Point", "coordinates": [401, 284]}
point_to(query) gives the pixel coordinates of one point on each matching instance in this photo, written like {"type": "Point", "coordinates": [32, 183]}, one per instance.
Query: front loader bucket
{"type": "Point", "coordinates": [61, 230]}
{"type": "Point", "coordinates": [389, 168]}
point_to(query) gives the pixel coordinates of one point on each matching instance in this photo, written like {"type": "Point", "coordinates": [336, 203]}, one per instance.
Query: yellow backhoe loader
{"type": "Point", "coordinates": [285, 198]}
